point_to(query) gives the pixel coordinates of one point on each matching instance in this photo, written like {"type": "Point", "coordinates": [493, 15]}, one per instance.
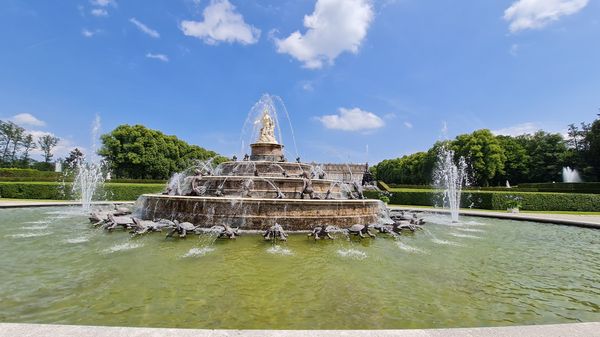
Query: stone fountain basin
{"type": "Point", "coordinates": [264, 168]}
{"type": "Point", "coordinates": [259, 213]}
{"type": "Point", "coordinates": [291, 187]}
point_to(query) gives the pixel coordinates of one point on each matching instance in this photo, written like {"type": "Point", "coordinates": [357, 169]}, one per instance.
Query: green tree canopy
{"type": "Point", "coordinates": [484, 153]}
{"type": "Point", "coordinates": [547, 153]}
{"type": "Point", "coordinates": [495, 159]}
{"type": "Point", "coordinates": [593, 154]}
{"type": "Point", "coordinates": [47, 143]}
{"type": "Point", "coordinates": [516, 166]}
{"type": "Point", "coordinates": [137, 152]}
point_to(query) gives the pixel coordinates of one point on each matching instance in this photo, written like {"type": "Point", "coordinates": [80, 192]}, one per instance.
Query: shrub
{"type": "Point", "coordinates": [499, 200]}
{"type": "Point", "coordinates": [563, 187]}
{"type": "Point", "coordinates": [59, 191]}
{"type": "Point", "coordinates": [27, 173]}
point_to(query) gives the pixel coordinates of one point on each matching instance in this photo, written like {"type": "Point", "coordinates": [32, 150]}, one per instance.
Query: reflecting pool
{"type": "Point", "coordinates": [478, 272]}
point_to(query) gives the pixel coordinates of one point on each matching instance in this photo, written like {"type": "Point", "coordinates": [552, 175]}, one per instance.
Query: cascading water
{"type": "Point", "coordinates": [451, 177]}
{"type": "Point", "coordinates": [570, 175]}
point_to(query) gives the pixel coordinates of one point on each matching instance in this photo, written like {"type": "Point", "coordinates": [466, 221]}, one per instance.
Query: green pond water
{"type": "Point", "coordinates": [481, 272]}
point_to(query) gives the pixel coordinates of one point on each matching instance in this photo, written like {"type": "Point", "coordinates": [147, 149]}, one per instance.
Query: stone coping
{"type": "Point", "coordinates": [234, 199]}
{"type": "Point", "coordinates": [560, 219]}
{"type": "Point", "coordinates": [33, 203]}
{"type": "Point", "coordinates": [553, 330]}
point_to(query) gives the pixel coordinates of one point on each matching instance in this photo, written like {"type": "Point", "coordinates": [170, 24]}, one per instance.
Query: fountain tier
{"type": "Point", "coordinates": [262, 190]}
{"type": "Point", "coordinates": [260, 213]}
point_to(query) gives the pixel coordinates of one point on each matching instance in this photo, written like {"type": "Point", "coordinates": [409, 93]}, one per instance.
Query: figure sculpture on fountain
{"type": "Point", "coordinates": [267, 131]}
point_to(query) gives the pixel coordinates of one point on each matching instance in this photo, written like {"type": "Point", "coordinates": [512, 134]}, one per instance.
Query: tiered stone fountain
{"type": "Point", "coordinates": [261, 190]}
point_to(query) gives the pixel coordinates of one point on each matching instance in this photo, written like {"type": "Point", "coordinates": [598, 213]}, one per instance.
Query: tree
{"type": "Point", "coordinates": [47, 143]}
{"type": "Point", "coordinates": [516, 166]}
{"type": "Point", "coordinates": [484, 153]}
{"type": "Point", "coordinates": [593, 153]}
{"type": "Point", "coordinates": [28, 145]}
{"type": "Point", "coordinates": [74, 157]}
{"type": "Point", "coordinates": [10, 137]}
{"type": "Point", "coordinates": [547, 155]}
{"type": "Point", "coordinates": [141, 153]}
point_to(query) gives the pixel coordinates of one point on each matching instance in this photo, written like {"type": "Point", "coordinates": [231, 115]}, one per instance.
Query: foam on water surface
{"type": "Point", "coordinates": [352, 254]}
{"type": "Point", "coordinates": [80, 239]}
{"type": "Point", "coordinates": [466, 236]}
{"type": "Point", "coordinates": [445, 242]}
{"type": "Point", "coordinates": [122, 247]}
{"type": "Point", "coordinates": [38, 227]}
{"type": "Point", "coordinates": [407, 248]}
{"type": "Point", "coordinates": [197, 252]}
{"type": "Point", "coordinates": [471, 230]}
{"type": "Point", "coordinates": [28, 235]}
{"type": "Point", "coordinates": [278, 250]}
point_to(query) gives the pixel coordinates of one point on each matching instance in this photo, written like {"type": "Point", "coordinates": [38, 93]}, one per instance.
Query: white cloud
{"type": "Point", "coordinates": [514, 49]}
{"type": "Point", "coordinates": [99, 12]}
{"type": "Point", "coordinates": [161, 57]}
{"type": "Point", "coordinates": [535, 14]}
{"type": "Point", "coordinates": [518, 129]}
{"type": "Point", "coordinates": [307, 86]}
{"type": "Point", "coordinates": [352, 120]}
{"type": "Point", "coordinates": [408, 125]}
{"type": "Point", "coordinates": [334, 27]}
{"type": "Point", "coordinates": [27, 119]}
{"type": "Point", "coordinates": [103, 3]}
{"type": "Point", "coordinates": [145, 29]}
{"type": "Point", "coordinates": [221, 23]}
{"type": "Point", "coordinates": [61, 150]}
{"type": "Point", "coordinates": [88, 33]}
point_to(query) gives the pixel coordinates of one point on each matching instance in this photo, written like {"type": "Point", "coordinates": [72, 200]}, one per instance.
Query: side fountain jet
{"type": "Point", "coordinates": [275, 232]}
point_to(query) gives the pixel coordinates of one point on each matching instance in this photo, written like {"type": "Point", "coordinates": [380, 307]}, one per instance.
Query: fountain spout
{"type": "Point", "coordinates": [451, 177]}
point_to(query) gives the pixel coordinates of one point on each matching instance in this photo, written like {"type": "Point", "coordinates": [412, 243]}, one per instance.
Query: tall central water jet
{"type": "Point", "coordinates": [450, 176]}
{"type": "Point", "coordinates": [89, 173]}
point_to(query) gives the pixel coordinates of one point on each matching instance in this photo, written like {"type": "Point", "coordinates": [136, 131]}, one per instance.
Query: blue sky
{"type": "Point", "coordinates": [389, 76]}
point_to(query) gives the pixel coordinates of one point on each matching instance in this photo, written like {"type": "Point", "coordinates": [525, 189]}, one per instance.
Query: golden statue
{"type": "Point", "coordinates": [267, 131]}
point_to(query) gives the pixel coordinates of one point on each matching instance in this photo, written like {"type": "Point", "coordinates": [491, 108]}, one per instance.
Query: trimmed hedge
{"type": "Point", "coordinates": [588, 188]}
{"type": "Point", "coordinates": [28, 173]}
{"type": "Point", "coordinates": [60, 191]}
{"type": "Point", "coordinates": [564, 187]}
{"type": "Point", "coordinates": [492, 200]}
{"type": "Point", "coordinates": [18, 174]}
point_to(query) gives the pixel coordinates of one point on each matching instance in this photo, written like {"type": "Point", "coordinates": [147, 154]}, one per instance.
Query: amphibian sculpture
{"type": "Point", "coordinates": [322, 231]}
{"type": "Point", "coordinates": [275, 232]}
{"type": "Point", "coordinates": [360, 230]}
{"type": "Point", "coordinates": [181, 228]}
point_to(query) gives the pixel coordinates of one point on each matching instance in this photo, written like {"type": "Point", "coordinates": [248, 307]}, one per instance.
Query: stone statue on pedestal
{"type": "Point", "coordinates": [267, 131]}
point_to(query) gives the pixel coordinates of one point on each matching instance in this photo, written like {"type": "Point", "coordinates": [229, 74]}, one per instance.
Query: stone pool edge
{"type": "Point", "coordinates": [591, 329]}
{"type": "Point", "coordinates": [568, 220]}
{"type": "Point", "coordinates": [560, 219]}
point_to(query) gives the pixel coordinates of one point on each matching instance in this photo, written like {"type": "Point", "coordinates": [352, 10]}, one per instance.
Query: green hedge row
{"type": "Point", "coordinates": [18, 174]}
{"type": "Point", "coordinates": [59, 191]}
{"type": "Point", "coordinates": [588, 188]}
{"type": "Point", "coordinates": [61, 178]}
{"type": "Point", "coordinates": [564, 187]}
{"type": "Point", "coordinates": [530, 201]}
{"type": "Point", "coordinates": [28, 173]}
